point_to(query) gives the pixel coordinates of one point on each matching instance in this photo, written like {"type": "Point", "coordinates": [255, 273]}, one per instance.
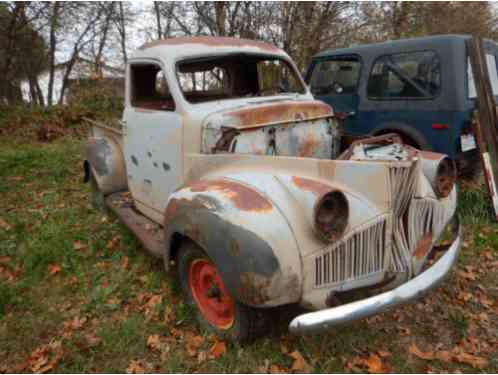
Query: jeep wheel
{"type": "Point", "coordinates": [216, 310]}
{"type": "Point", "coordinates": [96, 196]}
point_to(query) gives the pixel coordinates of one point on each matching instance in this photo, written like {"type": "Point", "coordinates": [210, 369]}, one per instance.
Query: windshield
{"type": "Point", "coordinates": [236, 76]}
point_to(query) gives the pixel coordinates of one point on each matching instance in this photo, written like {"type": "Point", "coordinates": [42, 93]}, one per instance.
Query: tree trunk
{"type": "Point", "coordinates": [158, 20]}
{"type": "Point", "coordinates": [122, 31]}
{"type": "Point", "coordinates": [220, 17]}
{"type": "Point", "coordinates": [52, 46]}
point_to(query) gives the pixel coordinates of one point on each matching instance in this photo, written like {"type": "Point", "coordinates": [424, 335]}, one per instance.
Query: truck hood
{"type": "Point", "coordinates": [264, 113]}
{"type": "Point", "coordinates": [262, 128]}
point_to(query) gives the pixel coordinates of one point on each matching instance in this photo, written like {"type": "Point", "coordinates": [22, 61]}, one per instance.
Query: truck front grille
{"type": "Point", "coordinates": [362, 254]}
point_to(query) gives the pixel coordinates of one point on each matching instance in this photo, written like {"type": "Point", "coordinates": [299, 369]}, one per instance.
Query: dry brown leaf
{"type": "Point", "coordinates": [53, 269]}
{"type": "Point", "coordinates": [124, 262]}
{"type": "Point", "coordinates": [135, 367]}
{"type": "Point", "coordinates": [299, 365]}
{"type": "Point", "coordinates": [444, 356]}
{"type": "Point", "coordinates": [4, 224]}
{"type": "Point", "coordinates": [192, 344]}
{"type": "Point", "coordinates": [78, 245]}
{"type": "Point", "coordinates": [472, 360]}
{"type": "Point", "coordinates": [169, 315]}
{"type": "Point", "coordinates": [374, 364]}
{"type": "Point", "coordinates": [217, 350]}
{"type": "Point", "coordinates": [418, 353]}
{"type": "Point", "coordinates": [4, 259]}
{"type": "Point", "coordinates": [274, 369]}
{"type": "Point", "coordinates": [154, 342]}
{"type": "Point", "coordinates": [92, 340]}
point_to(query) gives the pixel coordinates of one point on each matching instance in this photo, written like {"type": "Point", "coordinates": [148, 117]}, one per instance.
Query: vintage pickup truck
{"type": "Point", "coordinates": [229, 170]}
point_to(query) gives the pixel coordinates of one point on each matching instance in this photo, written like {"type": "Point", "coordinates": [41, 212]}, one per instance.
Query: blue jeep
{"type": "Point", "coordinates": [420, 88]}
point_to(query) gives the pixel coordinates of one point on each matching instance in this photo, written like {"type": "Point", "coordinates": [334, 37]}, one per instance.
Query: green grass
{"type": "Point", "coordinates": [45, 203]}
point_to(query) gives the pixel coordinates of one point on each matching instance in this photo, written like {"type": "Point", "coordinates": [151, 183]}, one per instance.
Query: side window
{"type": "Point", "coordinates": [493, 76]}
{"type": "Point", "coordinates": [333, 77]}
{"type": "Point", "coordinates": [149, 88]}
{"type": "Point", "coordinates": [405, 75]}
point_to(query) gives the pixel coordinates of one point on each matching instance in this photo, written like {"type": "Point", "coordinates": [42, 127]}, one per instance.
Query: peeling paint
{"type": "Point", "coordinates": [243, 197]}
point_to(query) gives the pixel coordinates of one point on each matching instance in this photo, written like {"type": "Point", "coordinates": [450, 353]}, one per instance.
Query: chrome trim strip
{"type": "Point", "coordinates": [322, 320]}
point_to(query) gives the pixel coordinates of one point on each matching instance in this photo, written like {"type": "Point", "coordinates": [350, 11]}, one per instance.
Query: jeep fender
{"type": "Point", "coordinates": [104, 159]}
{"type": "Point", "coordinates": [244, 234]}
{"type": "Point", "coordinates": [403, 129]}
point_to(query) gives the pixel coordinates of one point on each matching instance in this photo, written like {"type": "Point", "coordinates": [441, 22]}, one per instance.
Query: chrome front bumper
{"type": "Point", "coordinates": [322, 320]}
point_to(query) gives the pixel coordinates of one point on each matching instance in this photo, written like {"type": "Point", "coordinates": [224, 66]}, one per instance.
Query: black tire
{"type": "Point", "coordinates": [96, 196]}
{"type": "Point", "coordinates": [248, 323]}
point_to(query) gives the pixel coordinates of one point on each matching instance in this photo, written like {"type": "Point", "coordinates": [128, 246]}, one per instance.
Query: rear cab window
{"type": "Point", "coordinates": [411, 75]}
{"type": "Point", "coordinates": [336, 76]}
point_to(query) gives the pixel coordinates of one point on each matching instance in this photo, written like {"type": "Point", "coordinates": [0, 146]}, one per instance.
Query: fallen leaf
{"type": "Point", "coordinates": [124, 262]}
{"type": "Point", "coordinates": [374, 364]}
{"type": "Point", "coordinates": [169, 315]}
{"type": "Point", "coordinates": [299, 365]}
{"type": "Point", "coordinates": [4, 224]}
{"type": "Point", "coordinates": [418, 353]}
{"type": "Point", "coordinates": [274, 369]}
{"type": "Point", "coordinates": [444, 356]}
{"type": "Point", "coordinates": [135, 367]}
{"type": "Point", "coordinates": [4, 259]}
{"type": "Point", "coordinates": [217, 350]}
{"type": "Point", "coordinates": [53, 269]}
{"type": "Point", "coordinates": [92, 340]}
{"type": "Point", "coordinates": [472, 360]}
{"type": "Point", "coordinates": [192, 344]}
{"type": "Point", "coordinates": [154, 342]}
{"type": "Point", "coordinates": [78, 245]}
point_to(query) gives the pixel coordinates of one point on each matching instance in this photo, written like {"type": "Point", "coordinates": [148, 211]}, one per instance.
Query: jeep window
{"type": "Point", "coordinates": [236, 76]}
{"type": "Point", "coordinates": [405, 75]}
{"type": "Point", "coordinates": [335, 77]}
{"type": "Point", "coordinates": [149, 88]}
{"type": "Point", "coordinates": [493, 76]}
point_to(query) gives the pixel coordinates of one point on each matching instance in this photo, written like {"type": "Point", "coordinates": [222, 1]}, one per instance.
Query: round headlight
{"type": "Point", "coordinates": [331, 215]}
{"type": "Point", "coordinates": [445, 177]}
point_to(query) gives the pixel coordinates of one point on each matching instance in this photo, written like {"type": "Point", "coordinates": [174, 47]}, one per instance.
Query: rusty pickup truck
{"type": "Point", "coordinates": [228, 169]}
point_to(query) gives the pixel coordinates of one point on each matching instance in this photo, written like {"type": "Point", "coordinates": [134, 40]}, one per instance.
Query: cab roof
{"type": "Point", "coordinates": [183, 47]}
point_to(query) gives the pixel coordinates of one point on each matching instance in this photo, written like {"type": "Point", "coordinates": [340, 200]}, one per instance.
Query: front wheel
{"type": "Point", "coordinates": [217, 312]}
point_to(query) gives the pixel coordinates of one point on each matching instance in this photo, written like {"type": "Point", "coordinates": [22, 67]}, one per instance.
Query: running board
{"type": "Point", "coordinates": [150, 234]}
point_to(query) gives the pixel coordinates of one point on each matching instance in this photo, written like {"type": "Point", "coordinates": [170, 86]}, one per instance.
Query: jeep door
{"type": "Point", "coordinates": [334, 80]}
{"type": "Point", "coordinates": [153, 138]}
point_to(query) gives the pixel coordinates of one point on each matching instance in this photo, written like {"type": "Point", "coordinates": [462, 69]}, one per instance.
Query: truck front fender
{"type": "Point", "coordinates": [244, 234]}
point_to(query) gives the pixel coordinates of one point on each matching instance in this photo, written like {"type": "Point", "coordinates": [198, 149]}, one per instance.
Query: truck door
{"type": "Point", "coordinates": [153, 139]}
{"type": "Point", "coordinates": [334, 80]}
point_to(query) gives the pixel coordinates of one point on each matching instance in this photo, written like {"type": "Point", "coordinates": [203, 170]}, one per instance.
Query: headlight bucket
{"type": "Point", "coordinates": [331, 215]}
{"type": "Point", "coordinates": [441, 172]}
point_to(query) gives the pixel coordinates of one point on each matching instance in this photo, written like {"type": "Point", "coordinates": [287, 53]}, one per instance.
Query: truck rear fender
{"type": "Point", "coordinates": [104, 159]}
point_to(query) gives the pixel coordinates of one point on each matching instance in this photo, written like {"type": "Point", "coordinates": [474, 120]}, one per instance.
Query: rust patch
{"type": "Point", "coordinates": [446, 176]}
{"type": "Point", "coordinates": [430, 155]}
{"type": "Point", "coordinates": [254, 288]}
{"type": "Point", "coordinates": [287, 111]}
{"type": "Point", "coordinates": [309, 146]}
{"type": "Point", "coordinates": [312, 186]}
{"type": "Point", "coordinates": [423, 246]}
{"type": "Point", "coordinates": [243, 197]}
{"type": "Point", "coordinates": [212, 42]}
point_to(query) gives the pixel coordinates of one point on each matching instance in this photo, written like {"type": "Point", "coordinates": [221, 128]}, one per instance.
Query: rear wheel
{"type": "Point", "coordinates": [217, 312]}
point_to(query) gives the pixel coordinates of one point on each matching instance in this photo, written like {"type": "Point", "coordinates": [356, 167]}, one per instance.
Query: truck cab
{"type": "Point", "coordinates": [420, 88]}
{"type": "Point", "coordinates": [229, 170]}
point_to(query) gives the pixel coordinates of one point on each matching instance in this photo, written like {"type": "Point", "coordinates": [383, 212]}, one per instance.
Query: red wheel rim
{"type": "Point", "coordinates": [210, 294]}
